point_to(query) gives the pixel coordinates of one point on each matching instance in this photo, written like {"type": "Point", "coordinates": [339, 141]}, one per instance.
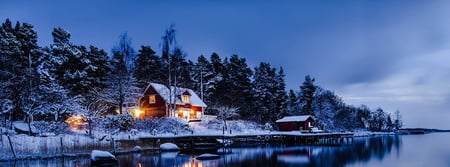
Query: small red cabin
{"type": "Point", "coordinates": [291, 123]}
{"type": "Point", "coordinates": [157, 98]}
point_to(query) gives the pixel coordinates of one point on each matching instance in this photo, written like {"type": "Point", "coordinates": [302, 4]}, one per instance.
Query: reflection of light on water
{"type": "Point", "coordinates": [293, 159]}
{"type": "Point", "coordinates": [200, 163]}
{"type": "Point", "coordinates": [295, 156]}
{"type": "Point", "coordinates": [169, 155]}
{"type": "Point", "coordinates": [193, 163]}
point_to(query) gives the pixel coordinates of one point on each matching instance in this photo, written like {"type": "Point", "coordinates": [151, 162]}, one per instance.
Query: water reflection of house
{"type": "Point", "coordinates": [158, 99]}
{"type": "Point", "coordinates": [295, 157]}
{"type": "Point", "coordinates": [290, 123]}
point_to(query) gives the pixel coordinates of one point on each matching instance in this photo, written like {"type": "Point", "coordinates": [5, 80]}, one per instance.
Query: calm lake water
{"type": "Point", "coordinates": [430, 150]}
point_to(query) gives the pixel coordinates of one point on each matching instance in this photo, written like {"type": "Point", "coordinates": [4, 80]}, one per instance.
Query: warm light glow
{"type": "Point", "coordinates": [136, 113]}
{"type": "Point", "coordinates": [152, 99]}
{"type": "Point", "coordinates": [185, 98]}
{"type": "Point", "coordinates": [76, 122]}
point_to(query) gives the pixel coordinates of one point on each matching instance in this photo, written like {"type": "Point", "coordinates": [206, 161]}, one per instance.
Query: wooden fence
{"type": "Point", "coordinates": [24, 146]}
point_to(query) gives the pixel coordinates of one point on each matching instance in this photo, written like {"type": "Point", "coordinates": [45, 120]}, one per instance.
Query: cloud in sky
{"type": "Point", "coordinates": [389, 54]}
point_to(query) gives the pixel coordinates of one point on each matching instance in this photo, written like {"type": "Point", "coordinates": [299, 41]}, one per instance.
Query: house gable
{"type": "Point", "coordinates": [155, 100]}
{"type": "Point", "coordinates": [290, 123]}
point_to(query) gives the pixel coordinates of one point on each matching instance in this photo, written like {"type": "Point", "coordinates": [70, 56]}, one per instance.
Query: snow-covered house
{"type": "Point", "coordinates": [290, 123]}
{"type": "Point", "coordinates": [157, 101]}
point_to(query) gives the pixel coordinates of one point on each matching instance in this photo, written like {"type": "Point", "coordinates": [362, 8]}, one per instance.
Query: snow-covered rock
{"type": "Point", "coordinates": [207, 156]}
{"type": "Point", "coordinates": [102, 157]}
{"type": "Point", "coordinates": [137, 149]}
{"type": "Point", "coordinates": [169, 147]}
{"type": "Point", "coordinates": [22, 127]}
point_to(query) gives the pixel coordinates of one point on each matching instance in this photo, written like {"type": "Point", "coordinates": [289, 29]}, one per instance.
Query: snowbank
{"type": "Point", "coordinates": [169, 147]}
{"type": "Point", "coordinates": [22, 127]}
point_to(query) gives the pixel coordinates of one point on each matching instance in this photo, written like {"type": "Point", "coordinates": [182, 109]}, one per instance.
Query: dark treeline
{"type": "Point", "coordinates": [51, 82]}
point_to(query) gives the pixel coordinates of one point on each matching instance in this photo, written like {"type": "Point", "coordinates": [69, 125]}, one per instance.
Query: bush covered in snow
{"type": "Point", "coordinates": [125, 121]}
{"type": "Point", "coordinates": [162, 125]}
{"type": "Point", "coordinates": [51, 127]}
{"type": "Point", "coordinates": [242, 126]}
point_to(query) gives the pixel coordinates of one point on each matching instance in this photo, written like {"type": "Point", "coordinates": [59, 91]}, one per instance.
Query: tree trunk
{"type": "Point", "coordinates": [29, 125]}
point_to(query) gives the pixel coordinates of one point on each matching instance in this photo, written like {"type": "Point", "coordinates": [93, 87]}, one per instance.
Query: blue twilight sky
{"type": "Point", "coordinates": [384, 53]}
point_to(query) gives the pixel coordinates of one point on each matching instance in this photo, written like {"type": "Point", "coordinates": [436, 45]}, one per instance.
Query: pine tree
{"type": "Point", "coordinates": [148, 67]}
{"type": "Point", "coordinates": [264, 83]}
{"type": "Point", "coordinates": [201, 76]}
{"type": "Point", "coordinates": [19, 74]}
{"type": "Point", "coordinates": [398, 123]}
{"type": "Point", "coordinates": [181, 69]}
{"type": "Point", "coordinates": [240, 91]}
{"type": "Point", "coordinates": [307, 95]}
{"type": "Point", "coordinates": [217, 73]}
{"type": "Point", "coordinates": [293, 103]}
{"type": "Point", "coordinates": [97, 69]}
{"type": "Point", "coordinates": [68, 63]}
{"type": "Point", "coordinates": [281, 97]}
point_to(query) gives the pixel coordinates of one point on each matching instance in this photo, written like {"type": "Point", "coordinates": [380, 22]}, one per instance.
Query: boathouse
{"type": "Point", "coordinates": [291, 123]}
{"type": "Point", "coordinates": [159, 101]}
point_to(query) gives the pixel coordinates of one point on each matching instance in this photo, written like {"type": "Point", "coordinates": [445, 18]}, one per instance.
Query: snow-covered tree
{"type": "Point", "coordinates": [326, 106]}
{"type": "Point", "coordinates": [226, 112]}
{"type": "Point", "coordinates": [363, 117]}
{"type": "Point", "coordinates": [307, 95]}
{"type": "Point", "coordinates": [6, 107]}
{"type": "Point", "coordinates": [398, 123]}
{"type": "Point", "coordinates": [180, 69]}
{"type": "Point", "coordinates": [265, 88]}
{"type": "Point", "coordinates": [378, 120]}
{"type": "Point", "coordinates": [214, 87]}
{"type": "Point", "coordinates": [122, 87]}
{"type": "Point", "coordinates": [238, 87]}
{"type": "Point", "coordinates": [68, 63]}
{"type": "Point", "coordinates": [18, 71]}
{"type": "Point", "coordinates": [281, 98]}
{"type": "Point", "coordinates": [201, 76]}
{"type": "Point", "coordinates": [293, 103]}
{"type": "Point", "coordinates": [148, 67]}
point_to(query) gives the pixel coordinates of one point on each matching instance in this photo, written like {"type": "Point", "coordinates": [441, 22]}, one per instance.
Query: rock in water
{"type": "Point", "coordinates": [207, 157]}
{"type": "Point", "coordinates": [101, 158]}
{"type": "Point", "coordinates": [169, 147]}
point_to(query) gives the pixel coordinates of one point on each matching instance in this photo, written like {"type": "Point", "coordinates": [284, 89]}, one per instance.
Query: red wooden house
{"type": "Point", "coordinates": [157, 100]}
{"type": "Point", "coordinates": [290, 123]}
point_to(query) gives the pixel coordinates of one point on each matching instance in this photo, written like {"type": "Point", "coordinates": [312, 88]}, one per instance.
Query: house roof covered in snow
{"type": "Point", "coordinates": [299, 118]}
{"type": "Point", "coordinates": [176, 94]}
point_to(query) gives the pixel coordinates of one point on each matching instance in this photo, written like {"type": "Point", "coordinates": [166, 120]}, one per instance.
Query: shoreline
{"type": "Point", "coordinates": [135, 142]}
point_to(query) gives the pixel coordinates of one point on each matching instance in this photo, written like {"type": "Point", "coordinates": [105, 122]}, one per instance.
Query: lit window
{"type": "Point", "coordinates": [185, 98]}
{"type": "Point", "coordinates": [152, 99]}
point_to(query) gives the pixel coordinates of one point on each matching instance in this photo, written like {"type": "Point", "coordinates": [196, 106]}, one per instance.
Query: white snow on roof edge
{"type": "Point", "coordinates": [300, 118]}
{"type": "Point", "coordinates": [164, 92]}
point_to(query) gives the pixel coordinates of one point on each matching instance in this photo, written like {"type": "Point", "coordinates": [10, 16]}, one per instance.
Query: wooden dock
{"type": "Point", "coordinates": [214, 141]}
